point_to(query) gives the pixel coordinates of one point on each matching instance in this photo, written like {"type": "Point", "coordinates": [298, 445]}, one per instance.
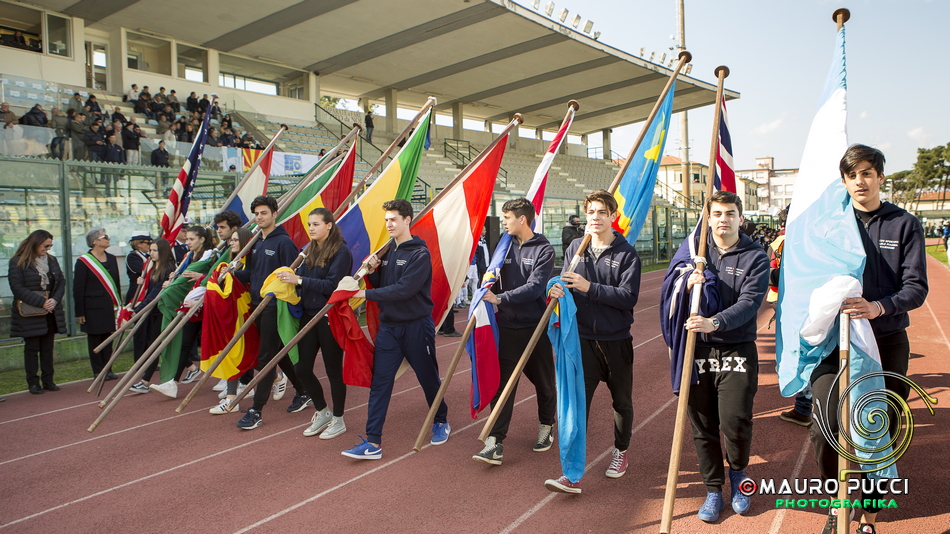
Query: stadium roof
{"type": "Point", "coordinates": [493, 56]}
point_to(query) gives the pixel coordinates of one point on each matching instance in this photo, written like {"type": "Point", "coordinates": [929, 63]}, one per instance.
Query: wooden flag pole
{"type": "Point", "coordinates": [572, 106]}
{"type": "Point", "coordinates": [98, 382]}
{"type": "Point", "coordinates": [844, 356]}
{"type": "Point", "coordinates": [518, 119]}
{"type": "Point", "coordinates": [684, 58]}
{"type": "Point", "coordinates": [679, 426]}
{"type": "Point", "coordinates": [182, 320]}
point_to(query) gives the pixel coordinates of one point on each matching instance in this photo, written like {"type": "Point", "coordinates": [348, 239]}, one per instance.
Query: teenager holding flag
{"type": "Point", "coordinates": [402, 283]}
{"type": "Point", "coordinates": [519, 297]}
{"type": "Point", "coordinates": [328, 260]}
{"type": "Point", "coordinates": [605, 286]}
{"type": "Point", "coordinates": [163, 265]}
{"type": "Point", "coordinates": [273, 250]}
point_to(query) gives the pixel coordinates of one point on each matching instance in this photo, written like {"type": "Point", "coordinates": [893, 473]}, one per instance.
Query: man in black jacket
{"type": "Point", "coordinates": [519, 297]}
{"type": "Point", "coordinates": [160, 155]}
{"type": "Point", "coordinates": [118, 116]}
{"type": "Point", "coordinates": [95, 143]}
{"type": "Point", "coordinates": [273, 250]}
{"type": "Point", "coordinates": [35, 117]}
{"type": "Point", "coordinates": [402, 283]}
{"type": "Point", "coordinates": [726, 358]}
{"type": "Point", "coordinates": [605, 286]}
{"type": "Point", "coordinates": [130, 142]}
{"type": "Point", "coordinates": [895, 282]}
{"type": "Point", "coordinates": [571, 231]}
{"type": "Point", "coordinates": [112, 153]}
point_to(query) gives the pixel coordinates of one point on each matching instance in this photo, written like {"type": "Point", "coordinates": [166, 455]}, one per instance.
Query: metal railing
{"type": "Point", "coordinates": [461, 153]}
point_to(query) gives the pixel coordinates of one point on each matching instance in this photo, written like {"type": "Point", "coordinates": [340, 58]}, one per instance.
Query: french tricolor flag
{"type": "Point", "coordinates": [482, 347]}
{"type": "Point", "coordinates": [255, 186]}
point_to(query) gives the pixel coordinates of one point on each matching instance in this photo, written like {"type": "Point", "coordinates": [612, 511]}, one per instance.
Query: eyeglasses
{"type": "Point", "coordinates": [103, 236]}
{"type": "Point", "coordinates": [48, 246]}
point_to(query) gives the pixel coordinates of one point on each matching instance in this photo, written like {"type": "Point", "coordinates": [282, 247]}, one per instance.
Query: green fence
{"type": "Point", "coordinates": [69, 198]}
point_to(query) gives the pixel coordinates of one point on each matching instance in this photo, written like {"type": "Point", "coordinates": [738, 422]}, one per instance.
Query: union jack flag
{"type": "Point", "coordinates": [180, 196]}
{"type": "Point", "coordinates": [725, 171]}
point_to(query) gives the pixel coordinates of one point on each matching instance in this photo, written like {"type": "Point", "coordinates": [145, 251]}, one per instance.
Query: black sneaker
{"type": "Point", "coordinates": [251, 420]}
{"type": "Point", "coordinates": [866, 528]}
{"type": "Point", "coordinates": [545, 438]}
{"type": "Point", "coordinates": [299, 403]}
{"type": "Point", "coordinates": [493, 453]}
{"type": "Point", "coordinates": [831, 524]}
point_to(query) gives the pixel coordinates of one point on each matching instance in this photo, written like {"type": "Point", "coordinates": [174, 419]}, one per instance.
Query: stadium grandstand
{"type": "Point", "coordinates": [317, 66]}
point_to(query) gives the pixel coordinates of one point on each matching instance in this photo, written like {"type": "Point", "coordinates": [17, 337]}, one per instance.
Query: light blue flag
{"type": "Point", "coordinates": [823, 263]}
{"type": "Point", "coordinates": [571, 392]}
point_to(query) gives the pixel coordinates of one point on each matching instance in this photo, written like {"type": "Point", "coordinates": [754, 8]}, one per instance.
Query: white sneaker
{"type": "Point", "coordinates": [222, 408]}
{"type": "Point", "coordinates": [280, 387]}
{"type": "Point", "coordinates": [192, 376]}
{"type": "Point", "coordinates": [223, 394]}
{"type": "Point", "coordinates": [168, 389]}
{"type": "Point", "coordinates": [319, 422]}
{"type": "Point", "coordinates": [222, 385]}
{"type": "Point", "coordinates": [337, 427]}
{"type": "Point", "coordinates": [241, 388]}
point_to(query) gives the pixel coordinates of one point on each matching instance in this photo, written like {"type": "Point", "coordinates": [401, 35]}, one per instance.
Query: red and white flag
{"type": "Point", "coordinates": [180, 196]}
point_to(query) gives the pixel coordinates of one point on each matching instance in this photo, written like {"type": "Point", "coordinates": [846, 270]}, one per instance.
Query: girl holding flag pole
{"type": "Point", "coordinates": [163, 261]}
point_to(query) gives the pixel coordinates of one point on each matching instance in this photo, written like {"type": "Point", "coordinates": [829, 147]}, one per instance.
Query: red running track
{"type": "Point", "coordinates": [147, 469]}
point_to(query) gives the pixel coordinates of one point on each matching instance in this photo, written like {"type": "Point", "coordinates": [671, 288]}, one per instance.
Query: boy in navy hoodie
{"type": "Point", "coordinates": [895, 282]}
{"type": "Point", "coordinates": [402, 284]}
{"type": "Point", "coordinates": [605, 286]}
{"type": "Point", "coordinates": [727, 360]}
{"type": "Point", "coordinates": [519, 297]}
{"type": "Point", "coordinates": [274, 249]}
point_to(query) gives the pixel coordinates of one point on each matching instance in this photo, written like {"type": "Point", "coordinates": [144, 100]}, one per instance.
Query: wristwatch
{"type": "Point", "coordinates": [716, 323]}
{"type": "Point", "coordinates": [299, 280]}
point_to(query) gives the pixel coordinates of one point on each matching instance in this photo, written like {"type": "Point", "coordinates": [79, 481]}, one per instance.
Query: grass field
{"type": "Point", "coordinates": [940, 255]}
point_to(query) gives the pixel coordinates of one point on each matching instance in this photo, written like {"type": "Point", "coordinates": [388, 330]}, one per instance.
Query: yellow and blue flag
{"type": "Point", "coordinates": [635, 192]}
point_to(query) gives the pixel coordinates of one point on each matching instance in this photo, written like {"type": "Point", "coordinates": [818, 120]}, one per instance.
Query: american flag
{"type": "Point", "coordinates": [725, 171]}
{"type": "Point", "coordinates": [180, 196]}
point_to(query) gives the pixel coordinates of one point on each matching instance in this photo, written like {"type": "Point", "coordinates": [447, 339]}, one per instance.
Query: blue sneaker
{"type": "Point", "coordinates": [364, 451]}
{"type": "Point", "coordinates": [740, 502]}
{"type": "Point", "coordinates": [251, 420]}
{"type": "Point", "coordinates": [709, 511]}
{"type": "Point", "coordinates": [440, 433]}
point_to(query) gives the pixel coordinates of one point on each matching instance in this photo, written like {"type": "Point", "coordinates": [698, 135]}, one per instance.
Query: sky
{"type": "Point", "coordinates": [778, 53]}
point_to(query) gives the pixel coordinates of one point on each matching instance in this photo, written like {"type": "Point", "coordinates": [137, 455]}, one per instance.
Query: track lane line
{"type": "Point", "coordinates": [780, 516]}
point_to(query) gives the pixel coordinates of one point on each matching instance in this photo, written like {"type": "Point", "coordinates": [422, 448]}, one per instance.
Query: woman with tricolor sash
{"type": "Point", "coordinates": [97, 297]}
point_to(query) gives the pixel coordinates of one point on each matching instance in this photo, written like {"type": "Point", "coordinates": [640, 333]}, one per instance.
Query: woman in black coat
{"type": "Point", "coordinates": [33, 272]}
{"type": "Point", "coordinates": [96, 302]}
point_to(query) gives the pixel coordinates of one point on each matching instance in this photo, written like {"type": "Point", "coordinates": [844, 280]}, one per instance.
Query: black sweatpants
{"type": "Point", "coordinates": [38, 354]}
{"type": "Point", "coordinates": [320, 338]}
{"type": "Point", "coordinates": [611, 362]}
{"type": "Point", "coordinates": [722, 402]}
{"type": "Point", "coordinates": [539, 369]}
{"type": "Point", "coordinates": [895, 356]}
{"type": "Point", "coordinates": [98, 361]}
{"type": "Point", "coordinates": [270, 346]}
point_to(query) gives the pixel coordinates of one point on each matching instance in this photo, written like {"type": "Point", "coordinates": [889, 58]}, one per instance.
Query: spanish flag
{"type": "Point", "coordinates": [227, 307]}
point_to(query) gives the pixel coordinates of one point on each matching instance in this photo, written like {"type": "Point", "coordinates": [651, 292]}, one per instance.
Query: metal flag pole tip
{"type": "Point", "coordinates": [574, 104]}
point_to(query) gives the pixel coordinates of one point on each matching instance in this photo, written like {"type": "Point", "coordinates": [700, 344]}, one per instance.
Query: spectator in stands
{"type": "Point", "coordinates": [76, 102]}
{"type": "Point", "coordinates": [227, 123]}
{"type": "Point", "coordinates": [157, 105]}
{"type": "Point", "coordinates": [203, 104]}
{"type": "Point", "coordinates": [160, 155]}
{"type": "Point", "coordinates": [165, 119]}
{"type": "Point", "coordinates": [89, 117]}
{"type": "Point", "coordinates": [133, 95]}
{"type": "Point", "coordinates": [191, 104]}
{"type": "Point", "coordinates": [17, 40]}
{"type": "Point", "coordinates": [35, 117]}
{"type": "Point", "coordinates": [114, 153]}
{"type": "Point", "coordinates": [171, 135]}
{"type": "Point", "coordinates": [213, 139]}
{"type": "Point", "coordinates": [232, 168]}
{"type": "Point", "coordinates": [130, 142]}
{"type": "Point", "coordinates": [173, 102]}
{"type": "Point", "coordinates": [369, 126]}
{"type": "Point", "coordinates": [93, 106]}
{"type": "Point", "coordinates": [59, 122]}
{"type": "Point", "coordinates": [163, 94]}
{"type": "Point", "coordinates": [37, 282]}
{"type": "Point", "coordinates": [118, 116]}
{"type": "Point", "coordinates": [7, 115]}
{"type": "Point", "coordinates": [215, 110]}
{"type": "Point", "coordinates": [323, 152]}
{"type": "Point", "coordinates": [95, 144]}
{"type": "Point", "coordinates": [187, 135]}
{"type": "Point", "coordinates": [77, 130]}
{"type": "Point", "coordinates": [227, 139]}
{"type": "Point", "coordinates": [247, 140]}
{"type": "Point", "coordinates": [145, 94]}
